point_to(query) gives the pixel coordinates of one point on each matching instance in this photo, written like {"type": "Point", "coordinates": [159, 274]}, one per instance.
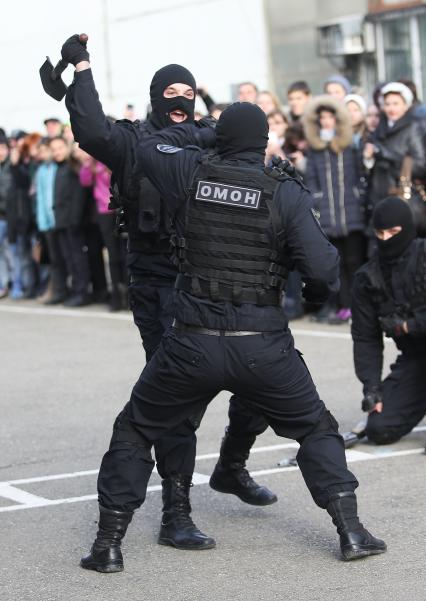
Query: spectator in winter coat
{"type": "Point", "coordinates": [298, 96]}
{"type": "Point", "coordinates": [357, 108]}
{"type": "Point", "coordinates": [6, 183]}
{"type": "Point", "coordinates": [96, 174]}
{"type": "Point", "coordinates": [278, 124]}
{"type": "Point", "coordinates": [337, 86]}
{"type": "Point", "coordinates": [372, 118]}
{"type": "Point", "coordinates": [68, 207]}
{"type": "Point", "coordinates": [397, 136]}
{"type": "Point", "coordinates": [268, 102]}
{"type": "Point", "coordinates": [332, 175]}
{"type": "Point", "coordinates": [20, 217]}
{"type": "Point", "coordinates": [247, 92]}
{"type": "Point", "coordinates": [45, 216]}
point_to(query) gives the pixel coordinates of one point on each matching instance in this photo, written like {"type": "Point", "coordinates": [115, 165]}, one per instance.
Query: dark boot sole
{"type": "Point", "coordinates": [169, 542]}
{"type": "Point", "coordinates": [104, 569]}
{"type": "Point", "coordinates": [249, 501]}
{"type": "Point", "coordinates": [360, 552]}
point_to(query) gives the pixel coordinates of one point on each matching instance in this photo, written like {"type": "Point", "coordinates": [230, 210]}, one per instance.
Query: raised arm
{"type": "Point", "coordinates": [92, 130]}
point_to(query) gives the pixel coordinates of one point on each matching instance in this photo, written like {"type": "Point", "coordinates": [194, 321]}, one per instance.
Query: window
{"type": "Point", "coordinates": [397, 49]}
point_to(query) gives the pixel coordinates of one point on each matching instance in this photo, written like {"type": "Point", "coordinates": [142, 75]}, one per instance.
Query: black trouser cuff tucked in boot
{"type": "Point", "coordinates": [177, 528]}
{"type": "Point", "coordinates": [355, 540]}
{"type": "Point", "coordinates": [105, 554]}
{"type": "Point", "coordinates": [230, 474]}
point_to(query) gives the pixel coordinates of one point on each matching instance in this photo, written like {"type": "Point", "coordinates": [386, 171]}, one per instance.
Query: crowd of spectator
{"type": "Point", "coordinates": [57, 235]}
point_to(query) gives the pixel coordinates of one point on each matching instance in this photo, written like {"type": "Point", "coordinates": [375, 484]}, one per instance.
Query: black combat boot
{"type": "Point", "coordinates": [230, 474]}
{"type": "Point", "coordinates": [177, 528]}
{"type": "Point", "coordinates": [105, 554]}
{"type": "Point", "coordinates": [355, 540]}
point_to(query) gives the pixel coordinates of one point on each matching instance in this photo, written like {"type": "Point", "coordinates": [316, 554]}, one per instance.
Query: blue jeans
{"type": "Point", "coordinates": [23, 275]}
{"type": "Point", "coordinates": [4, 258]}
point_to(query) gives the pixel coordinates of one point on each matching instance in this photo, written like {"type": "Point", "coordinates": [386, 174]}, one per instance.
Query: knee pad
{"type": "Point", "coordinates": [124, 431]}
{"type": "Point", "coordinates": [326, 423]}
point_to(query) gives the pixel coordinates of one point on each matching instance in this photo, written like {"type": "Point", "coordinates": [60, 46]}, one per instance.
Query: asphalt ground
{"type": "Point", "coordinates": [65, 374]}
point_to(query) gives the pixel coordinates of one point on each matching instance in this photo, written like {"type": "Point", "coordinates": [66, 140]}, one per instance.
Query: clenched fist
{"type": "Point", "coordinates": [74, 50]}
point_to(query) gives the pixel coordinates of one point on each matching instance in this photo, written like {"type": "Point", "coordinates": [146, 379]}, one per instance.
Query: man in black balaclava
{"type": "Point", "coordinates": [389, 297]}
{"type": "Point", "coordinates": [167, 107]}
{"type": "Point", "coordinates": [152, 278]}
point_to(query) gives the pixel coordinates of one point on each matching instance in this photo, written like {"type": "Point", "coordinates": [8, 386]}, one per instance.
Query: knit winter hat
{"type": "Point", "coordinates": [339, 79]}
{"type": "Point", "coordinates": [359, 100]}
{"type": "Point", "coordinates": [395, 87]}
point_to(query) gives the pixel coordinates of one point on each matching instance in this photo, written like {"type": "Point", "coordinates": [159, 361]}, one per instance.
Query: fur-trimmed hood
{"type": "Point", "coordinates": [344, 132]}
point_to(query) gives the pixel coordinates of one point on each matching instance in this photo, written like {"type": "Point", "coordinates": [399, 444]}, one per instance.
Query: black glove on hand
{"type": "Point", "coordinates": [371, 398]}
{"type": "Point", "coordinates": [207, 121]}
{"type": "Point", "coordinates": [315, 291]}
{"type": "Point", "coordinates": [74, 51]}
{"type": "Point", "coordinates": [392, 326]}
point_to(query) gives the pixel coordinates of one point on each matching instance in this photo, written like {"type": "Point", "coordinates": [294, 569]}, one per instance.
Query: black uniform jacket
{"type": "Point", "coordinates": [404, 294]}
{"type": "Point", "coordinates": [310, 251]}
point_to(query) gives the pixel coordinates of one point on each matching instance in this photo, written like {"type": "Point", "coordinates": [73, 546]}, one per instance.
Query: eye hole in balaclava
{"type": "Point", "coordinates": [242, 127]}
{"type": "Point", "coordinates": [389, 213]}
{"type": "Point", "coordinates": [162, 107]}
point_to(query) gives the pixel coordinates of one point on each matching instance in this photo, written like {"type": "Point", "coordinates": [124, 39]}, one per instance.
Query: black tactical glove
{"type": "Point", "coordinates": [315, 291]}
{"type": "Point", "coordinates": [392, 326]}
{"type": "Point", "coordinates": [207, 121]}
{"type": "Point", "coordinates": [74, 51]}
{"type": "Point", "coordinates": [372, 396]}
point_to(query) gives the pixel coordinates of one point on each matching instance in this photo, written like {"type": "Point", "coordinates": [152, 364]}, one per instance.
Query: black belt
{"type": "Point", "coordinates": [181, 327]}
{"type": "Point", "coordinates": [226, 293]}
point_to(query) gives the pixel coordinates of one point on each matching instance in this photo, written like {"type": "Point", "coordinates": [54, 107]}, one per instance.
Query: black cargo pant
{"type": "Point", "coordinates": [404, 401]}
{"type": "Point", "coordinates": [264, 371]}
{"type": "Point", "coordinates": [151, 302]}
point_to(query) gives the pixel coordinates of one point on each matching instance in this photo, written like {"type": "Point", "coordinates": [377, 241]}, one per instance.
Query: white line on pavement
{"type": "Point", "coordinates": [21, 496]}
{"type": "Point", "coordinates": [27, 500]}
{"type": "Point", "coordinates": [268, 449]}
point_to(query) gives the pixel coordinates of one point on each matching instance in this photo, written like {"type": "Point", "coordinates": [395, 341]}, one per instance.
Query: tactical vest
{"type": "Point", "coordinates": [413, 285]}
{"type": "Point", "coordinates": [140, 210]}
{"type": "Point", "coordinates": [231, 250]}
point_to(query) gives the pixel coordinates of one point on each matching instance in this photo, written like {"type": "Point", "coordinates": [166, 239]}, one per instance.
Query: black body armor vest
{"type": "Point", "coordinates": [231, 249]}
{"type": "Point", "coordinates": [139, 208]}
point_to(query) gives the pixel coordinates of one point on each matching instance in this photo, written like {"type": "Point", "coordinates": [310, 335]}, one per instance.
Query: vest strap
{"type": "Point", "coordinates": [224, 292]}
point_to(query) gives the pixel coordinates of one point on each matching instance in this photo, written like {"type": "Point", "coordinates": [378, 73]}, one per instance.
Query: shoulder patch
{"type": "Point", "coordinates": [167, 149]}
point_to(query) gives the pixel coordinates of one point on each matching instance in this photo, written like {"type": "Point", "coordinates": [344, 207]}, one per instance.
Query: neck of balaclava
{"type": "Point", "coordinates": [392, 250]}
{"type": "Point", "coordinates": [254, 159]}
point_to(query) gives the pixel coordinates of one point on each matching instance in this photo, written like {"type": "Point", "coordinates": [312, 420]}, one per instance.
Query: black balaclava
{"type": "Point", "coordinates": [242, 127]}
{"type": "Point", "coordinates": [391, 212]}
{"type": "Point", "coordinates": [161, 107]}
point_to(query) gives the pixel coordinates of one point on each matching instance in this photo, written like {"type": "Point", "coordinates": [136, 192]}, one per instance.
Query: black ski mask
{"type": "Point", "coordinates": [391, 212]}
{"type": "Point", "coordinates": [162, 107]}
{"type": "Point", "coordinates": [242, 127]}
